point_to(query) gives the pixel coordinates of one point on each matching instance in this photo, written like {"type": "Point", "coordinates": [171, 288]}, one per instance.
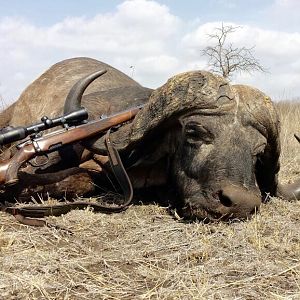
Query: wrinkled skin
{"type": "Point", "coordinates": [214, 147]}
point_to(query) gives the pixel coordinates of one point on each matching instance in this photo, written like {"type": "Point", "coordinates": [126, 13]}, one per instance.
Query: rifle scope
{"type": "Point", "coordinates": [13, 134]}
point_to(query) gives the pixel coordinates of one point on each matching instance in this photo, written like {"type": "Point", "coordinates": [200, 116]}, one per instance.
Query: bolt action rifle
{"type": "Point", "coordinates": [39, 145]}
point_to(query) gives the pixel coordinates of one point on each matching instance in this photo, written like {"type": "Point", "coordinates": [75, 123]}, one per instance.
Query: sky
{"type": "Point", "coordinates": [148, 40]}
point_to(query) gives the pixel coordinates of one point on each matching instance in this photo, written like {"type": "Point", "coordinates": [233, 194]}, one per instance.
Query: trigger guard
{"type": "Point", "coordinates": [34, 163]}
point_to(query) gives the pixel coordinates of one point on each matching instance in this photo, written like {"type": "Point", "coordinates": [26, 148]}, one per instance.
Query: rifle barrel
{"type": "Point", "coordinates": [54, 141]}
{"type": "Point", "coordinates": [19, 133]}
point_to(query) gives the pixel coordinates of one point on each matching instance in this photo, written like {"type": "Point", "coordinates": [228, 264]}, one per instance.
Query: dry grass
{"type": "Point", "coordinates": [144, 253]}
{"type": "Point", "coordinates": [289, 113]}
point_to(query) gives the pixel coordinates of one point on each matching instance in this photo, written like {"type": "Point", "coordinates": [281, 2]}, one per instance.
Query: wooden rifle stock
{"type": "Point", "coordinates": [56, 140]}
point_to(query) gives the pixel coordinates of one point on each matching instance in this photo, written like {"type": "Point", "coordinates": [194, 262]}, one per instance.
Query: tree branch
{"type": "Point", "coordinates": [225, 59]}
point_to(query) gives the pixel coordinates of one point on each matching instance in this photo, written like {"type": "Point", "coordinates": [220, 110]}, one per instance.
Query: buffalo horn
{"type": "Point", "coordinates": [73, 99]}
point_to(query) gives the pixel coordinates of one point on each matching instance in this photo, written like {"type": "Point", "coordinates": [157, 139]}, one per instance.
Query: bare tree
{"type": "Point", "coordinates": [225, 59]}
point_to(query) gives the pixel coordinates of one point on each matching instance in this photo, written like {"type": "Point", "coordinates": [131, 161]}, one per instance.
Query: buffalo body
{"type": "Point", "coordinates": [212, 147]}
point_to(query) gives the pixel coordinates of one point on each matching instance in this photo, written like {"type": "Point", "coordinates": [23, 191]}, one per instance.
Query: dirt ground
{"type": "Point", "coordinates": [145, 253]}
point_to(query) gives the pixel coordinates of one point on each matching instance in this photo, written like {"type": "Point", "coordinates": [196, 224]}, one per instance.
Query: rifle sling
{"type": "Point", "coordinates": [26, 214]}
{"type": "Point", "coordinates": [119, 170]}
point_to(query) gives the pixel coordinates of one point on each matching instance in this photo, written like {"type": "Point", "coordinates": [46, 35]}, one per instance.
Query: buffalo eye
{"type": "Point", "coordinates": [196, 133]}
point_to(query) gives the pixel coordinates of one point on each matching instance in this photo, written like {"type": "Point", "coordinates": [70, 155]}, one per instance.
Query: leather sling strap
{"type": "Point", "coordinates": [26, 214]}
{"type": "Point", "coordinates": [119, 170]}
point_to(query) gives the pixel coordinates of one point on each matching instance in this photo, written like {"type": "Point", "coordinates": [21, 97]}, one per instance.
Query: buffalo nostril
{"type": "Point", "coordinates": [225, 200]}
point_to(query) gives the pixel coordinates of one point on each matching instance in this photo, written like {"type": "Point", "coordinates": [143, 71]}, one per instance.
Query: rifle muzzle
{"type": "Point", "coordinates": [13, 134]}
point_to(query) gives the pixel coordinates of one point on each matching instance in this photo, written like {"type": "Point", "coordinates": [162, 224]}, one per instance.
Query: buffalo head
{"type": "Point", "coordinates": [216, 145]}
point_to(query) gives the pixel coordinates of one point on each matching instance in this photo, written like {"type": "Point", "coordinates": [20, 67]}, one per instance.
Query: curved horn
{"type": "Point", "coordinates": [73, 99]}
{"type": "Point", "coordinates": [259, 111]}
{"type": "Point", "coordinates": [290, 191]}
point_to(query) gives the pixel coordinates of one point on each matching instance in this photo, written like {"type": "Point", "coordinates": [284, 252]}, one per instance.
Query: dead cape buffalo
{"type": "Point", "coordinates": [213, 148]}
